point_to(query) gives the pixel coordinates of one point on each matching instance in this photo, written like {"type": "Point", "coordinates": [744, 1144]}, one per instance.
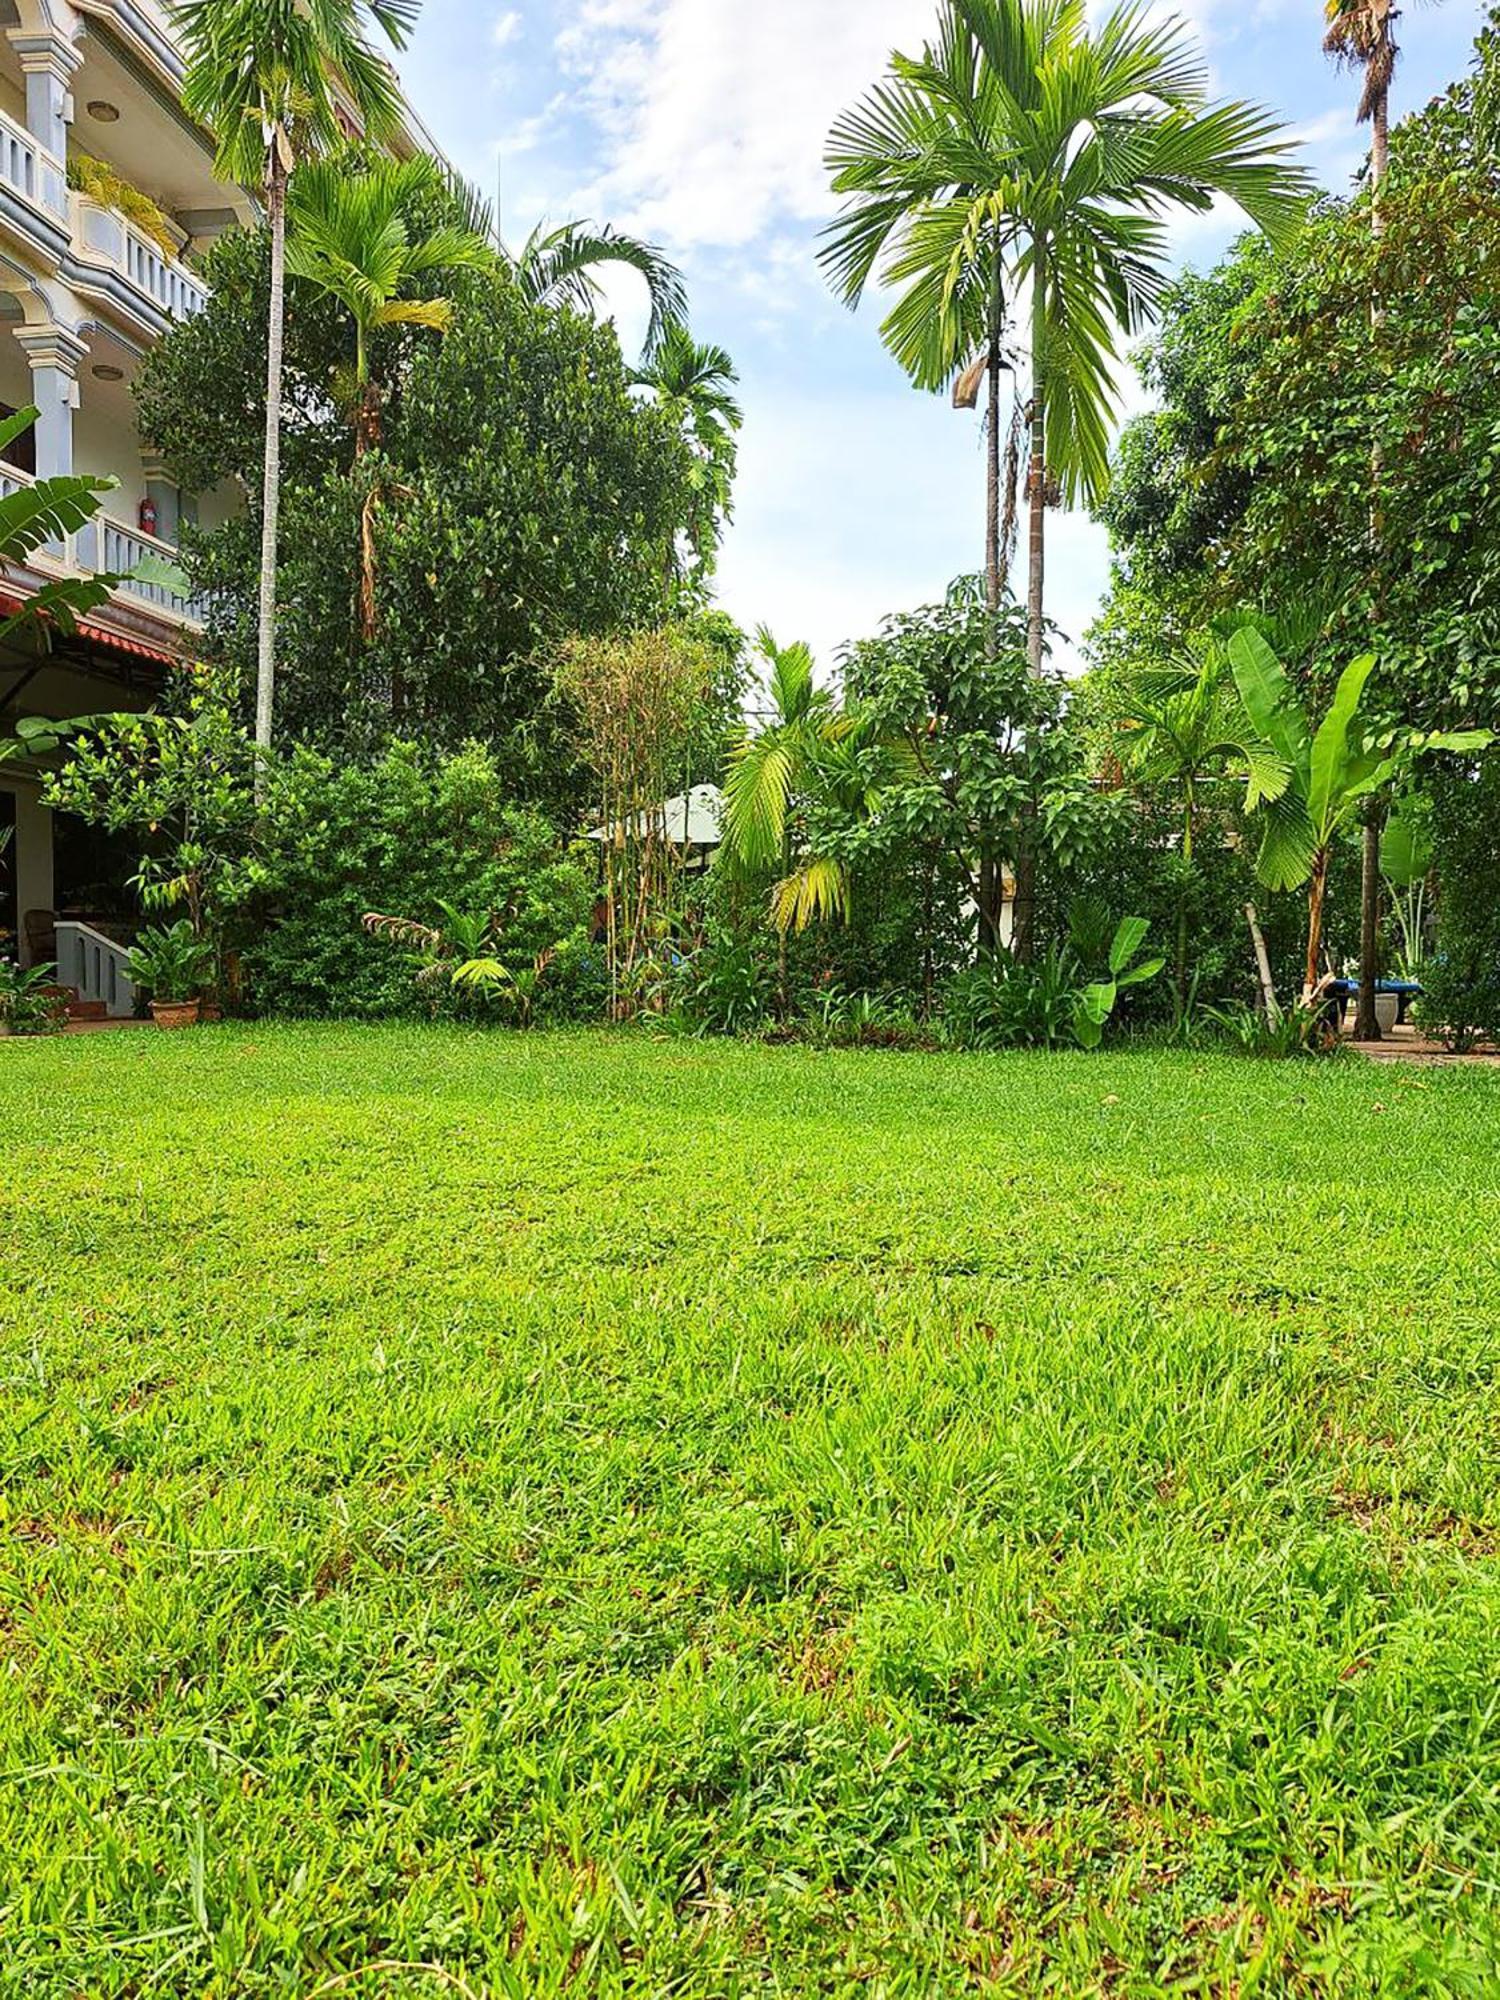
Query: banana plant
{"type": "Point", "coordinates": [1097, 1001]}
{"type": "Point", "coordinates": [1331, 767]}
{"type": "Point", "coordinates": [1406, 856]}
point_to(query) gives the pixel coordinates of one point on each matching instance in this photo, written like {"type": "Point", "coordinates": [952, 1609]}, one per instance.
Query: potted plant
{"type": "Point", "coordinates": [28, 999]}
{"type": "Point", "coordinates": [171, 962]}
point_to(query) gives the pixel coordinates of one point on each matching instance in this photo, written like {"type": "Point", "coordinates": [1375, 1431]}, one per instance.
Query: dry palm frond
{"type": "Point", "coordinates": [1010, 518]}
{"type": "Point", "coordinates": [403, 931]}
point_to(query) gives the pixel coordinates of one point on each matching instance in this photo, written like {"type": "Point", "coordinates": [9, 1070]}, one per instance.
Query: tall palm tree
{"type": "Point", "coordinates": [261, 75]}
{"type": "Point", "coordinates": [349, 235]}
{"type": "Point", "coordinates": [1025, 151]}
{"type": "Point", "coordinates": [1361, 36]}
{"type": "Point", "coordinates": [693, 382]}
{"type": "Point", "coordinates": [559, 267]}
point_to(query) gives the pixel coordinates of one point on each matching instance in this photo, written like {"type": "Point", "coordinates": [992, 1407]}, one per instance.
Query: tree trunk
{"type": "Point", "coordinates": [1182, 904]}
{"type": "Point", "coordinates": [994, 582]}
{"type": "Point", "coordinates": [991, 874]}
{"type": "Point", "coordinates": [1023, 942]}
{"type": "Point", "coordinates": [265, 661]}
{"type": "Point", "coordinates": [1366, 1025]}
{"type": "Point", "coordinates": [1317, 889]}
{"type": "Point", "coordinates": [1036, 488]}
{"type": "Point", "coordinates": [1263, 967]}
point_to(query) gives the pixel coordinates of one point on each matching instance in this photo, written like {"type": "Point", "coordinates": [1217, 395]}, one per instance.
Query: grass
{"type": "Point", "coordinates": [574, 1515]}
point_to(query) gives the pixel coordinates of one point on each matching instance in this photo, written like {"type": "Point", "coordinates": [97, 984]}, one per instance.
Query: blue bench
{"type": "Point", "coordinates": [1405, 990]}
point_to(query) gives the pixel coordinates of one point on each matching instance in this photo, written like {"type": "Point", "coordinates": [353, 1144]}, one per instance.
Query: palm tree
{"type": "Point", "coordinates": [771, 768]}
{"type": "Point", "coordinates": [558, 267]}
{"type": "Point", "coordinates": [693, 383]}
{"type": "Point", "coordinates": [350, 237]}
{"type": "Point", "coordinates": [1024, 150]}
{"type": "Point", "coordinates": [261, 75]}
{"type": "Point", "coordinates": [1183, 726]}
{"type": "Point", "coordinates": [1361, 36]}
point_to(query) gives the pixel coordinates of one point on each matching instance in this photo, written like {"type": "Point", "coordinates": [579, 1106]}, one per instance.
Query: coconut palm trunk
{"type": "Point", "coordinates": [1023, 929]}
{"type": "Point", "coordinates": [1366, 1024]}
{"type": "Point", "coordinates": [991, 873]}
{"type": "Point", "coordinates": [265, 658]}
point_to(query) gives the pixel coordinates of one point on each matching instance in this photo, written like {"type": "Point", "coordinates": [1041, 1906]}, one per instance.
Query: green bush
{"type": "Point", "coordinates": [417, 836]}
{"type": "Point", "coordinates": [1462, 976]}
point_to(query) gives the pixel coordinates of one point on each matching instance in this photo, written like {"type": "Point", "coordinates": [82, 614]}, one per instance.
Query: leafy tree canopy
{"type": "Point", "coordinates": [1327, 429]}
{"type": "Point", "coordinates": [526, 495]}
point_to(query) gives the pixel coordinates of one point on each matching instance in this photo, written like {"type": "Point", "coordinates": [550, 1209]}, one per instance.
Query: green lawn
{"type": "Point", "coordinates": [601, 1517]}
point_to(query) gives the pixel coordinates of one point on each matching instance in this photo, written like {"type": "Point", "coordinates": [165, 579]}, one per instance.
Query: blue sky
{"type": "Point", "coordinates": [700, 123]}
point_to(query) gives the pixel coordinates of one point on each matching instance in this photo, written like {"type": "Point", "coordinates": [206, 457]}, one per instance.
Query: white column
{"type": "Point", "coordinates": [54, 355]}
{"type": "Point", "coordinates": [48, 60]}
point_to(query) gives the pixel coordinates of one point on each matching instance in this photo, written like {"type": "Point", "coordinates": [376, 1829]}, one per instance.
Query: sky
{"type": "Point", "coordinates": [700, 124]}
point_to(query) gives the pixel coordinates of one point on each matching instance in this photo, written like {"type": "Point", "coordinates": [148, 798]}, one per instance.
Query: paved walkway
{"type": "Point", "coordinates": [1407, 1043]}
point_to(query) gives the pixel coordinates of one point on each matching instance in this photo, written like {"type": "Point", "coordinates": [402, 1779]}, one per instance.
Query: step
{"type": "Point", "coordinates": [75, 1006]}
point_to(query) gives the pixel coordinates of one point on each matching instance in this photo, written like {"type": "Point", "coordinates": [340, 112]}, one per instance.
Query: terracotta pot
{"type": "Point", "coordinates": [175, 1013]}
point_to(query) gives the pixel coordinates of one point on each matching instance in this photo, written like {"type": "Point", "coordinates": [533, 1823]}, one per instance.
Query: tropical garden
{"type": "Point", "coordinates": [710, 1372]}
{"type": "Point", "coordinates": [467, 612]}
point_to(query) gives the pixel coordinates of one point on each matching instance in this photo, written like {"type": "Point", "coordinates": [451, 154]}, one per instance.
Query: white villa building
{"type": "Point", "coordinates": [83, 294]}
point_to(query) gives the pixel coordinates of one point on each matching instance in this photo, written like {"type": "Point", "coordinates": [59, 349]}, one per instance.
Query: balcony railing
{"type": "Point", "coordinates": [125, 549]}
{"type": "Point", "coordinates": [111, 548]}
{"type": "Point", "coordinates": [102, 237]}
{"type": "Point", "coordinates": [170, 284]}
{"type": "Point", "coordinates": [19, 169]}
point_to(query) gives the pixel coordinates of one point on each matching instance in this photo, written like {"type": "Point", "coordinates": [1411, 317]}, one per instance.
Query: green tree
{"type": "Point", "coordinates": [1181, 727]}
{"type": "Point", "coordinates": [530, 495]}
{"type": "Point", "coordinates": [985, 760]}
{"type": "Point", "coordinates": [693, 382]}
{"type": "Point", "coordinates": [265, 77]}
{"type": "Point", "coordinates": [799, 730]}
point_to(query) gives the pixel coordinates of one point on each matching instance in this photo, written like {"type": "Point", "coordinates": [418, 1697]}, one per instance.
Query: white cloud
{"type": "Point", "coordinates": [507, 28]}
{"type": "Point", "coordinates": [714, 114]}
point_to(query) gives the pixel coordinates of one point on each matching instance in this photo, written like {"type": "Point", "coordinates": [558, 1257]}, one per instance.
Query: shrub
{"type": "Point", "coordinates": [1462, 977]}
{"type": "Point", "coordinates": [723, 985]}
{"type": "Point", "coordinates": [422, 836]}
{"type": "Point", "coordinates": [1002, 1004]}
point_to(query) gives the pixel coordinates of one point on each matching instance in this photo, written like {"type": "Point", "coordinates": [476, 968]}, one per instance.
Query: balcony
{"type": "Point", "coordinates": [95, 248]}
{"type": "Point", "coordinates": [109, 547]}
{"type": "Point", "coordinates": [103, 240]}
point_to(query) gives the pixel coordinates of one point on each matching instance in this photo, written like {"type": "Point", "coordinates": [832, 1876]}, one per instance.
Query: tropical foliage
{"type": "Point", "coordinates": [265, 76]}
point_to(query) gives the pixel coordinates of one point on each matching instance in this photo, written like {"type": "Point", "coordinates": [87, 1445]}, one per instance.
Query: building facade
{"type": "Point", "coordinates": [90, 107]}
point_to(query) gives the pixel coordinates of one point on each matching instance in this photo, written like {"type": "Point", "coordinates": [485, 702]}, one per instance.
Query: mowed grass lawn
{"type": "Point", "coordinates": [587, 1516]}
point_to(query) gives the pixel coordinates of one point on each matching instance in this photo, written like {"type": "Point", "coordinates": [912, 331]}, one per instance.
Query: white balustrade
{"type": "Point", "coordinates": [95, 967]}
{"type": "Point", "coordinates": [18, 159]}
{"type": "Point", "coordinates": [165, 282]}
{"type": "Point", "coordinates": [123, 549]}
